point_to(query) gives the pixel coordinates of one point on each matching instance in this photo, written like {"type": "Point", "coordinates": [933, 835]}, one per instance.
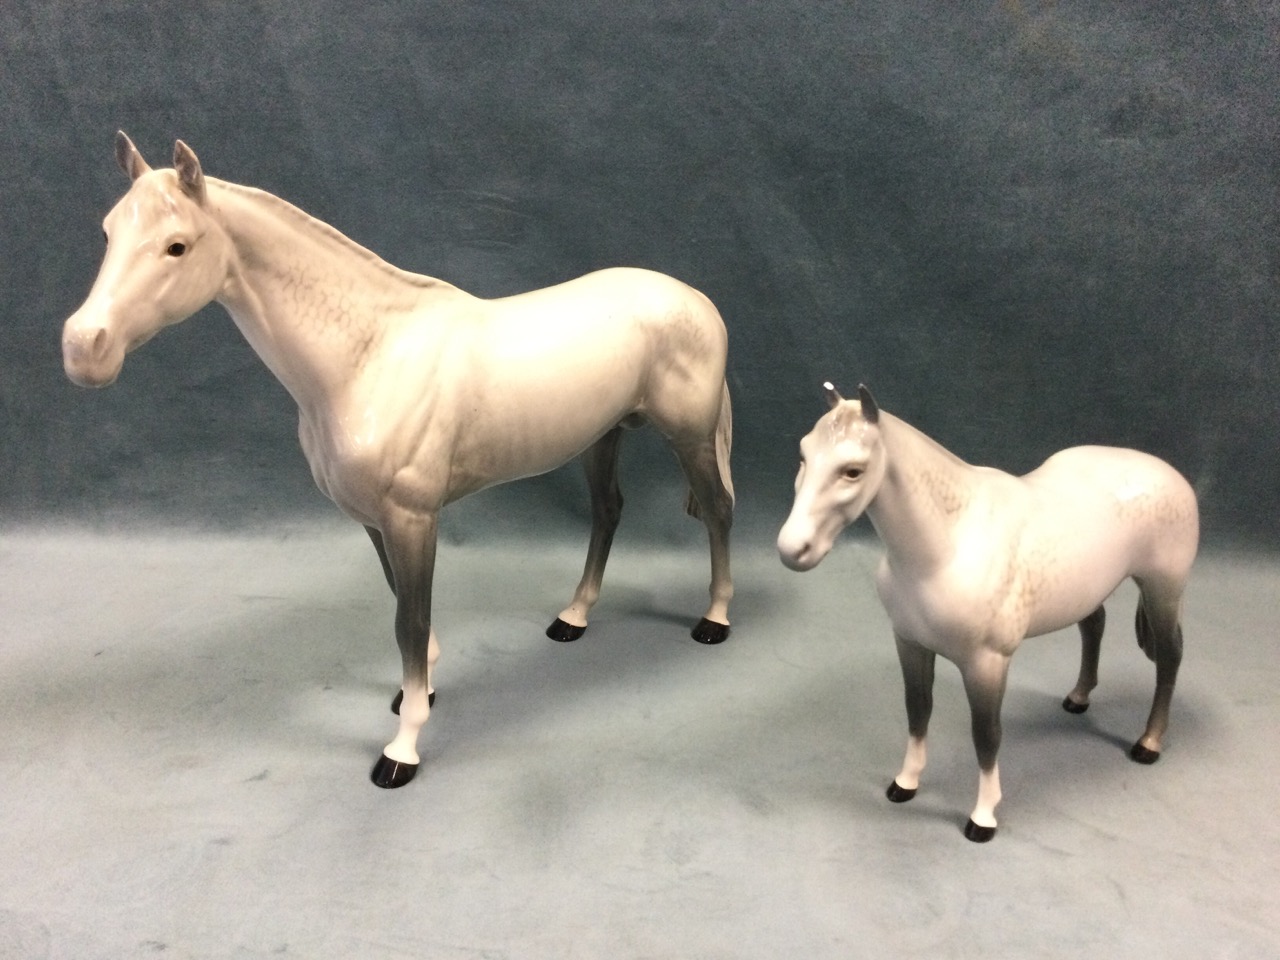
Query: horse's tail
{"type": "Point", "coordinates": [724, 445]}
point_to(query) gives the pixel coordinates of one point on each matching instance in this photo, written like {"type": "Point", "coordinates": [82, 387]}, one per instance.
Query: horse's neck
{"type": "Point", "coordinates": [924, 491]}
{"type": "Point", "coordinates": [311, 302]}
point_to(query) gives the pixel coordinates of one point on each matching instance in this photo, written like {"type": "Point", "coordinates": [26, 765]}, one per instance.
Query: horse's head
{"type": "Point", "coordinates": [166, 258]}
{"type": "Point", "coordinates": [842, 463]}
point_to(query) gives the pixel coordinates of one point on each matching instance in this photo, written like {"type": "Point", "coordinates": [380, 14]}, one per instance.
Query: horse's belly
{"type": "Point", "coordinates": [526, 436]}
{"type": "Point", "coordinates": [537, 402]}
{"type": "Point", "coordinates": [1054, 605]}
{"type": "Point", "coordinates": [997, 601]}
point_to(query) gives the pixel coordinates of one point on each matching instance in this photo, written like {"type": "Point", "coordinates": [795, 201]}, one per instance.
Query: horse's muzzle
{"type": "Point", "coordinates": [797, 552]}
{"type": "Point", "coordinates": [88, 356]}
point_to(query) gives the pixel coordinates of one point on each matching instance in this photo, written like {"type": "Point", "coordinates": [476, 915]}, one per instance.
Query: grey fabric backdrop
{"type": "Point", "coordinates": [1025, 224]}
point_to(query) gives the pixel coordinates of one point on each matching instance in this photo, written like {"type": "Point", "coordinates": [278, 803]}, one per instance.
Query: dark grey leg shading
{"type": "Point", "coordinates": [600, 462]}
{"type": "Point", "coordinates": [1091, 628]}
{"type": "Point", "coordinates": [375, 535]}
{"type": "Point", "coordinates": [1160, 636]}
{"type": "Point", "coordinates": [917, 664]}
{"type": "Point", "coordinates": [410, 547]}
{"type": "Point", "coordinates": [985, 678]}
{"type": "Point", "coordinates": [714, 507]}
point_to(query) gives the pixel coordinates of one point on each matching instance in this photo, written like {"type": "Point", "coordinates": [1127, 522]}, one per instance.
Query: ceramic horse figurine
{"type": "Point", "coordinates": [976, 559]}
{"type": "Point", "coordinates": [412, 393]}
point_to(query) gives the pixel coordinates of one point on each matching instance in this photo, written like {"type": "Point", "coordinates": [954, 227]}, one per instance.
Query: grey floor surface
{"type": "Point", "coordinates": [189, 720]}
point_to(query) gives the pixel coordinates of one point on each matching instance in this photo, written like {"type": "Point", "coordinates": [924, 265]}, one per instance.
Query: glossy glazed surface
{"type": "Point", "coordinates": [976, 559]}
{"type": "Point", "coordinates": [412, 393]}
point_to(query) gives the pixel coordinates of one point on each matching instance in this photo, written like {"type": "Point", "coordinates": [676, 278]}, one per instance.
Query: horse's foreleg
{"type": "Point", "coordinates": [600, 462]}
{"type": "Point", "coordinates": [1160, 634]}
{"type": "Point", "coordinates": [984, 683]}
{"type": "Point", "coordinates": [410, 542]}
{"type": "Point", "coordinates": [715, 509]}
{"type": "Point", "coordinates": [917, 677]}
{"type": "Point", "coordinates": [375, 535]}
{"type": "Point", "coordinates": [1091, 627]}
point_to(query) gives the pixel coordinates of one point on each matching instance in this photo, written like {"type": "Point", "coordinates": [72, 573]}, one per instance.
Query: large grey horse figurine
{"type": "Point", "coordinates": [412, 393]}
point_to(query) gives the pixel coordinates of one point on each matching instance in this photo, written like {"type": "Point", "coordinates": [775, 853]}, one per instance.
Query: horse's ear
{"type": "Point", "coordinates": [190, 176]}
{"type": "Point", "coordinates": [870, 412]}
{"type": "Point", "coordinates": [128, 157]}
{"type": "Point", "coordinates": [832, 394]}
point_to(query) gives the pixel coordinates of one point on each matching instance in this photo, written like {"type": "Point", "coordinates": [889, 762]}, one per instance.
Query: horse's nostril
{"type": "Point", "coordinates": [793, 551]}
{"type": "Point", "coordinates": [99, 344]}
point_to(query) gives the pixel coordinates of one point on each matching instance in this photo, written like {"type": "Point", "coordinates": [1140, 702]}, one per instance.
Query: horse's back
{"type": "Point", "coordinates": [647, 340]}
{"type": "Point", "coordinates": [646, 318]}
{"type": "Point", "coordinates": [1136, 502]}
{"type": "Point", "coordinates": [616, 295]}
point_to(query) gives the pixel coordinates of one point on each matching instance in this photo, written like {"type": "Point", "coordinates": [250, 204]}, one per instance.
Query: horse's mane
{"type": "Point", "coordinates": [329, 232]}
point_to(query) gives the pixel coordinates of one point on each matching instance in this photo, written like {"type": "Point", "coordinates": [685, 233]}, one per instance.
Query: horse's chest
{"type": "Point", "coordinates": [350, 468]}
{"type": "Point", "coordinates": [953, 611]}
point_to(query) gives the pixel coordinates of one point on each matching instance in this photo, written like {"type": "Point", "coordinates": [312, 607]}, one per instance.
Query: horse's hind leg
{"type": "Point", "coordinates": [601, 464]}
{"type": "Point", "coordinates": [714, 502]}
{"type": "Point", "coordinates": [1091, 627]}
{"type": "Point", "coordinates": [1160, 636]}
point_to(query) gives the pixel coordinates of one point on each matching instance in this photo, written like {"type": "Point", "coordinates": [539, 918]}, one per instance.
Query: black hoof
{"type": "Point", "coordinates": [389, 774]}
{"type": "Point", "coordinates": [562, 632]}
{"type": "Point", "coordinates": [899, 794]}
{"type": "Point", "coordinates": [978, 834]}
{"type": "Point", "coordinates": [1140, 754]}
{"type": "Point", "coordinates": [395, 704]}
{"type": "Point", "coordinates": [710, 632]}
{"type": "Point", "coordinates": [1071, 706]}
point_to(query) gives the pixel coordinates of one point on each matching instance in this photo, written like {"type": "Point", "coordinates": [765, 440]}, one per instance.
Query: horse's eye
{"type": "Point", "coordinates": [176, 249]}
{"type": "Point", "coordinates": [853, 473]}
{"type": "Point", "coordinates": [104, 237]}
